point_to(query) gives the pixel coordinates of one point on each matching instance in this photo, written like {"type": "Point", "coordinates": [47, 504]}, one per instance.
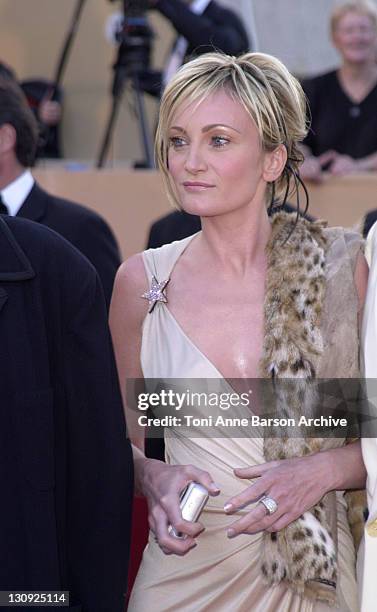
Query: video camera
{"type": "Point", "coordinates": [134, 37]}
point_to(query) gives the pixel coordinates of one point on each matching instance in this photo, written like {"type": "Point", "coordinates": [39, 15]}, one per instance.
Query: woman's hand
{"type": "Point", "coordinates": [295, 484]}
{"type": "Point", "coordinates": [162, 485]}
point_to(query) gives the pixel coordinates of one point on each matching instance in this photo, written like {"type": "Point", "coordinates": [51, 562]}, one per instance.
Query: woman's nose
{"type": "Point", "coordinates": [195, 161]}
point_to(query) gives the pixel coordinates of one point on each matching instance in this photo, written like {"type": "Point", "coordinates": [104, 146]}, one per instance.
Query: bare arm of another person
{"type": "Point", "coordinates": [341, 165]}
{"type": "Point", "coordinates": [160, 483]}
{"type": "Point", "coordinates": [335, 164]}
{"type": "Point", "coordinates": [298, 484]}
{"type": "Point", "coordinates": [314, 168]}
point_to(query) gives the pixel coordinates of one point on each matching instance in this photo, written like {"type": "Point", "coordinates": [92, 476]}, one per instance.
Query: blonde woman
{"type": "Point", "coordinates": [243, 298]}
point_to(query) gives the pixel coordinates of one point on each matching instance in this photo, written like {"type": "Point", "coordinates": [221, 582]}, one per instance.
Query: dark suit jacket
{"type": "Point", "coordinates": [173, 226]}
{"type": "Point", "coordinates": [217, 29]}
{"type": "Point", "coordinates": [83, 228]}
{"type": "Point", "coordinates": [65, 461]}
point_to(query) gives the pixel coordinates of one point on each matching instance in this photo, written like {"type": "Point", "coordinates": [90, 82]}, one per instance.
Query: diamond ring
{"type": "Point", "coordinates": [269, 503]}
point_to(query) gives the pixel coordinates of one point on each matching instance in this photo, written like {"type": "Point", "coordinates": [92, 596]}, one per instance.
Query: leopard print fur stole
{"type": "Point", "coordinates": [304, 554]}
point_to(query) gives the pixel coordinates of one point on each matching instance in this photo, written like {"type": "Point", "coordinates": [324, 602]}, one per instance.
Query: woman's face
{"type": "Point", "coordinates": [355, 38]}
{"type": "Point", "coordinates": [215, 156]}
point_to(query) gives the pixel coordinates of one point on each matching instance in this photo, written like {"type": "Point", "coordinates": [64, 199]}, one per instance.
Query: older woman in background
{"type": "Point", "coordinates": [343, 102]}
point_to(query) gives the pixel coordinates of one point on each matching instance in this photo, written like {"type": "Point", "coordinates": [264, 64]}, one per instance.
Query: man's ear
{"type": "Point", "coordinates": [274, 163]}
{"type": "Point", "coordinates": [8, 138]}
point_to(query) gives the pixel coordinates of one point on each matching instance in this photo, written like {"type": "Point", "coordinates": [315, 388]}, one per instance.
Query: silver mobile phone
{"type": "Point", "coordinates": [193, 499]}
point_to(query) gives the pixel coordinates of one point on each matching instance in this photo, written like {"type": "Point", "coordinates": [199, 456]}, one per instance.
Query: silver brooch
{"type": "Point", "coordinates": [155, 293]}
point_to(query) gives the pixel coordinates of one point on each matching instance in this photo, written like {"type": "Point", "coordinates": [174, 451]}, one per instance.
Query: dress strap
{"type": "Point", "coordinates": [160, 262]}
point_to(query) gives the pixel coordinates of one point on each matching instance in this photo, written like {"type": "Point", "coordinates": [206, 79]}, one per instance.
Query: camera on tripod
{"type": "Point", "coordinates": [134, 37]}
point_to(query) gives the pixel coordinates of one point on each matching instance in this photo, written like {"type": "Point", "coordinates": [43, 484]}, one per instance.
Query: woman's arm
{"type": "Point", "coordinates": [345, 164]}
{"type": "Point", "coordinates": [160, 483]}
{"type": "Point", "coordinates": [127, 312]}
{"type": "Point", "coordinates": [296, 485]}
{"type": "Point", "coordinates": [347, 467]}
{"type": "Point", "coordinates": [366, 164]}
{"type": "Point", "coordinates": [340, 165]}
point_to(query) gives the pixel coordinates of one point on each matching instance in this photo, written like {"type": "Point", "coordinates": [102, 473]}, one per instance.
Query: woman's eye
{"type": "Point", "coordinates": [176, 142]}
{"type": "Point", "coordinates": [219, 141]}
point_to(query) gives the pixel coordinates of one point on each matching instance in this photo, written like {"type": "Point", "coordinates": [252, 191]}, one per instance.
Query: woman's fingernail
{"type": "Point", "coordinates": [214, 487]}
{"type": "Point", "coordinates": [230, 533]}
{"type": "Point", "coordinates": [228, 507]}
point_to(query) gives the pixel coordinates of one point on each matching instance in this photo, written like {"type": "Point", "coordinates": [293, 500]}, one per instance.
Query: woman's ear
{"type": "Point", "coordinates": [8, 138]}
{"type": "Point", "coordinates": [274, 163]}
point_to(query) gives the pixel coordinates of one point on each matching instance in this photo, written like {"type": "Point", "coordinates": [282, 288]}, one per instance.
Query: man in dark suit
{"type": "Point", "coordinates": [22, 197]}
{"type": "Point", "coordinates": [65, 461]}
{"type": "Point", "coordinates": [173, 226]}
{"type": "Point", "coordinates": [202, 26]}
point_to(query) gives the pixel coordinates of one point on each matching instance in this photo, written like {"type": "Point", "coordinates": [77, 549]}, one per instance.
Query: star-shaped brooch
{"type": "Point", "coordinates": [155, 293]}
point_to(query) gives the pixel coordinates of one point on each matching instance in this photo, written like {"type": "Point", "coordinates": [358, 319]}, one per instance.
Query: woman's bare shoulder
{"type": "Point", "coordinates": [130, 283]}
{"type": "Point", "coordinates": [132, 272]}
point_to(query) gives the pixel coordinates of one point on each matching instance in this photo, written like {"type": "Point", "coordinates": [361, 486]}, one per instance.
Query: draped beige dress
{"type": "Point", "coordinates": [221, 574]}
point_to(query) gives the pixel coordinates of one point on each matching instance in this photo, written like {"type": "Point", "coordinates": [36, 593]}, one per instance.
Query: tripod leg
{"type": "Point", "coordinates": [143, 124]}
{"type": "Point", "coordinates": [109, 129]}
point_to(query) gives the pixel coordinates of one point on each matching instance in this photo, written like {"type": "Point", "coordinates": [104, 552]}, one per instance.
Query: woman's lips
{"type": "Point", "coordinates": [196, 186]}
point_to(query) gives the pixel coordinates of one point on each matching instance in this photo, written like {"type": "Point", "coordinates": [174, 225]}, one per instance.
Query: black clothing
{"type": "Point", "coordinates": [337, 122]}
{"type": "Point", "coordinates": [3, 207]}
{"type": "Point", "coordinates": [49, 144]}
{"type": "Point", "coordinates": [173, 226]}
{"type": "Point", "coordinates": [86, 230]}
{"type": "Point", "coordinates": [65, 461]}
{"type": "Point", "coordinates": [216, 29]}
{"type": "Point", "coordinates": [368, 222]}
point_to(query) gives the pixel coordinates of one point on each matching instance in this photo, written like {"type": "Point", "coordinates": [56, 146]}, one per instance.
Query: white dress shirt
{"type": "Point", "coordinates": [15, 194]}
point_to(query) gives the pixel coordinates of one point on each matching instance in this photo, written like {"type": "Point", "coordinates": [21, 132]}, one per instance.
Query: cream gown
{"type": "Point", "coordinates": [220, 574]}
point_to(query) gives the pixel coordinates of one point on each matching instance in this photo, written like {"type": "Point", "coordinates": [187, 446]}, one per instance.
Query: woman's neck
{"type": "Point", "coordinates": [235, 245]}
{"type": "Point", "coordinates": [358, 80]}
{"type": "Point", "coordinates": [359, 73]}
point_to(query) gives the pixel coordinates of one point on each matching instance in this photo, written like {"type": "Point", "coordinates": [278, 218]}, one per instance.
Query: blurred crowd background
{"type": "Point", "coordinates": [32, 34]}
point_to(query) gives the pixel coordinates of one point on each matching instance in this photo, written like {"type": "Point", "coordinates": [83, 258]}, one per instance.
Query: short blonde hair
{"type": "Point", "coordinates": [273, 98]}
{"type": "Point", "coordinates": [363, 7]}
